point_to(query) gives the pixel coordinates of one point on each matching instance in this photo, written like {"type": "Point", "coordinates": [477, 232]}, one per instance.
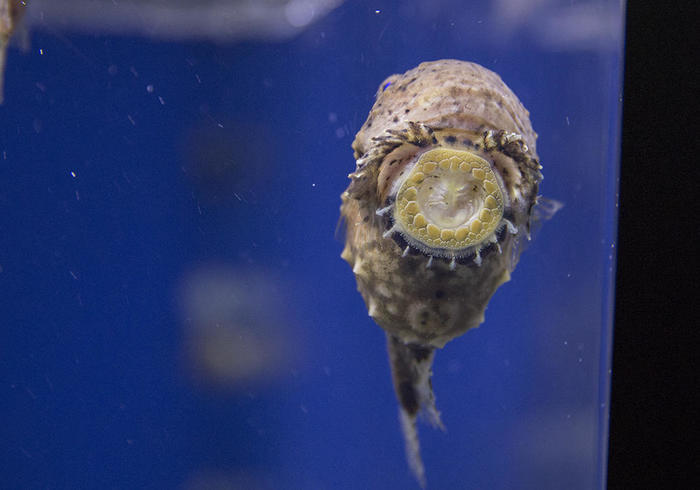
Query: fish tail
{"type": "Point", "coordinates": [411, 369]}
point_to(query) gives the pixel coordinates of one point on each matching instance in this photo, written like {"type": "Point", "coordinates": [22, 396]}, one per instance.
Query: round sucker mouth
{"type": "Point", "coordinates": [450, 204]}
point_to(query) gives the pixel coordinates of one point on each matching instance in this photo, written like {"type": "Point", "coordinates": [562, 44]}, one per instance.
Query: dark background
{"type": "Point", "coordinates": [654, 379]}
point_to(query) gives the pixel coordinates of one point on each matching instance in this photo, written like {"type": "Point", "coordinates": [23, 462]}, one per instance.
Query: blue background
{"type": "Point", "coordinates": [96, 391]}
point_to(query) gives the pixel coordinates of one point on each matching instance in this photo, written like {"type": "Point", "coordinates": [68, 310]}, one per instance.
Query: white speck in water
{"type": "Point", "coordinates": [313, 185]}
{"type": "Point", "coordinates": [149, 88]}
{"type": "Point", "coordinates": [131, 120]}
{"type": "Point", "coordinates": [332, 117]}
{"type": "Point", "coordinates": [580, 359]}
{"type": "Point", "coordinates": [377, 11]}
{"type": "Point", "coordinates": [339, 133]}
{"type": "Point", "coordinates": [566, 342]}
{"type": "Point", "coordinates": [73, 174]}
{"type": "Point", "coordinates": [162, 101]}
{"type": "Point", "coordinates": [220, 125]}
{"type": "Point", "coordinates": [41, 51]}
{"type": "Point", "coordinates": [568, 123]}
{"type": "Point", "coordinates": [304, 409]}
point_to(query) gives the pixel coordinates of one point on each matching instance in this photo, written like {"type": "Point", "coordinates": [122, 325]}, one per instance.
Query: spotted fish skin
{"type": "Point", "coordinates": [436, 213]}
{"type": "Point", "coordinates": [445, 94]}
{"type": "Point", "coordinates": [442, 104]}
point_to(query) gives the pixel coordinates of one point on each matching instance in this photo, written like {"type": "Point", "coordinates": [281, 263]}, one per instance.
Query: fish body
{"type": "Point", "coordinates": [436, 213]}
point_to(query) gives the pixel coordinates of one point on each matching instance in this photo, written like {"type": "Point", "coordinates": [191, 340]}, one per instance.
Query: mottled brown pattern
{"type": "Point", "coordinates": [421, 296]}
{"type": "Point", "coordinates": [446, 93]}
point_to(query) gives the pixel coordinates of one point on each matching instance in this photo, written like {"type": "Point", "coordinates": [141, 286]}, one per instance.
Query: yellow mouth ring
{"type": "Point", "coordinates": [450, 200]}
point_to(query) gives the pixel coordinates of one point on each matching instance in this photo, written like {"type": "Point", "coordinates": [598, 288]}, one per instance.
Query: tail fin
{"type": "Point", "coordinates": [411, 368]}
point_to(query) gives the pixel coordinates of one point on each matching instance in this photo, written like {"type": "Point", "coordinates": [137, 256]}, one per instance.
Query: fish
{"type": "Point", "coordinates": [11, 12]}
{"type": "Point", "coordinates": [438, 210]}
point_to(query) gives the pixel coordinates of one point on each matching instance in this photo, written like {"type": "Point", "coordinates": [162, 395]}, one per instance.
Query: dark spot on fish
{"type": "Point", "coordinates": [407, 395]}
{"type": "Point", "coordinates": [396, 119]}
{"type": "Point", "coordinates": [420, 353]}
{"type": "Point", "coordinates": [451, 139]}
{"type": "Point", "coordinates": [407, 111]}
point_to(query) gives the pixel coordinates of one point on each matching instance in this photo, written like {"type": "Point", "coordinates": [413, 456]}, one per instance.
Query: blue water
{"type": "Point", "coordinates": [156, 197]}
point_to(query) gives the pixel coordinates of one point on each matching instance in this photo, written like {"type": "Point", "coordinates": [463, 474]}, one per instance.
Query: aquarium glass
{"type": "Point", "coordinates": [174, 311]}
